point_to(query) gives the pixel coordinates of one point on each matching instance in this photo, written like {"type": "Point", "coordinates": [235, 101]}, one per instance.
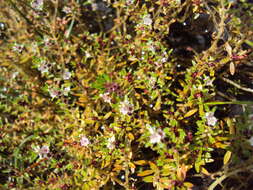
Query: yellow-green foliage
{"type": "Point", "coordinates": [92, 96]}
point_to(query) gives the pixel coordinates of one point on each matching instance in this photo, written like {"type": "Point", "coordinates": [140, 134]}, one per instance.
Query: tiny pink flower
{"type": "Point", "coordinates": [66, 91]}
{"type": "Point", "coordinates": [84, 141]}
{"type": "Point", "coordinates": [18, 48]}
{"type": "Point", "coordinates": [208, 81]}
{"type": "Point", "coordinates": [47, 41]}
{"type": "Point", "coordinates": [129, 2]}
{"type": "Point", "coordinates": [42, 151]}
{"type": "Point", "coordinates": [53, 93]}
{"type": "Point", "coordinates": [106, 97]}
{"type": "Point", "coordinates": [66, 10]}
{"type": "Point", "coordinates": [155, 135]}
{"type": "Point", "coordinates": [43, 68]}
{"type": "Point", "coordinates": [66, 75]}
{"type": "Point", "coordinates": [37, 5]}
{"type": "Point", "coordinates": [126, 107]}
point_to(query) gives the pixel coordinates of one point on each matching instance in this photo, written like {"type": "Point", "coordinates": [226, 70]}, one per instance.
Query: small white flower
{"type": "Point", "coordinates": [34, 47]}
{"type": "Point", "coordinates": [200, 87]}
{"type": "Point", "coordinates": [158, 64]}
{"type": "Point", "coordinates": [4, 89]}
{"type": "Point", "coordinates": [66, 91]}
{"type": "Point", "coordinates": [94, 6]}
{"type": "Point", "coordinates": [84, 141]}
{"type": "Point", "coordinates": [103, 127]}
{"type": "Point", "coordinates": [155, 138]}
{"type": "Point", "coordinates": [152, 48]}
{"type": "Point", "coordinates": [2, 96]}
{"type": "Point", "coordinates": [111, 142]}
{"type": "Point", "coordinates": [151, 82]}
{"type": "Point", "coordinates": [147, 20]}
{"type": "Point", "coordinates": [251, 141]}
{"type": "Point", "coordinates": [18, 47]}
{"type": "Point", "coordinates": [106, 97]}
{"type": "Point", "coordinates": [155, 135]}
{"type": "Point", "coordinates": [88, 55]}
{"type": "Point", "coordinates": [43, 68]}
{"type": "Point", "coordinates": [66, 10]}
{"type": "Point", "coordinates": [37, 5]}
{"type": "Point", "coordinates": [211, 120]}
{"type": "Point", "coordinates": [42, 151]}
{"type": "Point", "coordinates": [46, 41]}
{"type": "Point", "coordinates": [163, 60]}
{"type": "Point", "coordinates": [66, 75]}
{"type": "Point", "coordinates": [53, 93]}
{"type": "Point", "coordinates": [250, 116]}
{"type": "Point", "coordinates": [14, 75]}
{"type": "Point", "coordinates": [208, 81]}
{"type": "Point", "coordinates": [126, 107]}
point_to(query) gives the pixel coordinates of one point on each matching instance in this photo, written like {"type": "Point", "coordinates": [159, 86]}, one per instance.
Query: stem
{"type": "Point", "coordinates": [220, 26]}
{"type": "Point", "coordinates": [225, 96]}
{"type": "Point", "coordinates": [126, 164]}
{"type": "Point", "coordinates": [71, 25]}
{"type": "Point", "coordinates": [233, 102]}
{"type": "Point", "coordinates": [236, 85]}
{"type": "Point", "coordinates": [223, 177]}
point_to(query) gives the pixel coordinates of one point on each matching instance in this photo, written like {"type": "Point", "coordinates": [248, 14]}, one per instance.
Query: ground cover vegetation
{"type": "Point", "coordinates": [126, 94]}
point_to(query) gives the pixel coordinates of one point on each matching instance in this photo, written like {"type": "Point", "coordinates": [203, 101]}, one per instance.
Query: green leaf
{"type": "Point", "coordinates": [190, 113]}
{"type": "Point", "coordinates": [157, 106]}
{"type": "Point", "coordinates": [227, 157]}
{"type": "Point", "coordinates": [100, 81]}
{"type": "Point", "coordinates": [250, 43]}
{"type": "Point", "coordinates": [107, 115]}
{"type": "Point", "coordinates": [148, 179]}
{"type": "Point", "coordinates": [26, 139]}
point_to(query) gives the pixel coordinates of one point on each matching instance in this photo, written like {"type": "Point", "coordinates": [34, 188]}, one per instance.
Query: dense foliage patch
{"type": "Point", "coordinates": [125, 94]}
